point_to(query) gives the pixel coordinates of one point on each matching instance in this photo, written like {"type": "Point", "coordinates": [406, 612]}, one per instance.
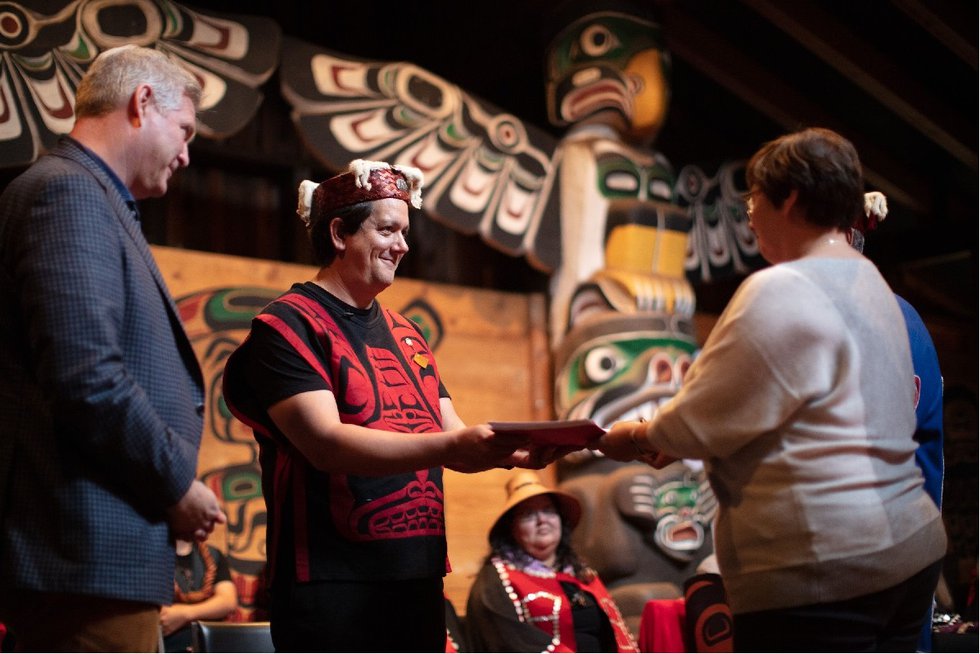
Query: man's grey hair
{"type": "Point", "coordinates": [114, 75]}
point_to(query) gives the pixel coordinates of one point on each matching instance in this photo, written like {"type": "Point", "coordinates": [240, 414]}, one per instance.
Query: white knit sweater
{"type": "Point", "coordinates": [801, 406]}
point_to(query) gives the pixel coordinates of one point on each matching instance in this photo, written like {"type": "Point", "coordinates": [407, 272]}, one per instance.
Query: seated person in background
{"type": "Point", "coordinates": [203, 590]}
{"type": "Point", "coordinates": [534, 593]}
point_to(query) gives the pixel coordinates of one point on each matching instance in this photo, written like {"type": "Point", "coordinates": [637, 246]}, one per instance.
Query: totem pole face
{"type": "Point", "coordinates": [616, 366]}
{"type": "Point", "coordinates": [609, 68]}
{"type": "Point", "coordinates": [622, 175]}
{"type": "Point", "coordinates": [683, 509]}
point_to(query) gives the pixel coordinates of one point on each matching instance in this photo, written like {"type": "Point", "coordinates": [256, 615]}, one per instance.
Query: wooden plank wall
{"type": "Point", "coordinates": [492, 352]}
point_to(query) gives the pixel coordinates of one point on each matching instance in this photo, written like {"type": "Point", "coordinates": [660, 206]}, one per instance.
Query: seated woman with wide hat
{"type": "Point", "coordinates": [533, 593]}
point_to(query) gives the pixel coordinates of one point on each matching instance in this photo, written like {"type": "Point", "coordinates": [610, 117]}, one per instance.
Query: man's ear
{"type": "Point", "coordinates": [336, 234]}
{"type": "Point", "coordinates": [138, 103]}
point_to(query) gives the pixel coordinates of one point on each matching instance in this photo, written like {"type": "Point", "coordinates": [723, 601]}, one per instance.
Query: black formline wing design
{"type": "Point", "coordinates": [44, 55]}
{"type": "Point", "coordinates": [486, 171]}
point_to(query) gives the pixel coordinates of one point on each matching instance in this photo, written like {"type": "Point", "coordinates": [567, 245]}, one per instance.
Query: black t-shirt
{"type": "Point", "coordinates": [593, 633]}
{"type": "Point", "coordinates": [277, 371]}
{"type": "Point", "coordinates": [189, 577]}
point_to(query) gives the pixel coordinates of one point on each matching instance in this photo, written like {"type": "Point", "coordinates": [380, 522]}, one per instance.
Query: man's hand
{"type": "Point", "coordinates": [196, 514]}
{"type": "Point", "coordinates": [478, 448]}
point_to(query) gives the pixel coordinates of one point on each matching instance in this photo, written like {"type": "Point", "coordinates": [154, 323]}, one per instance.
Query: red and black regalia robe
{"type": "Point", "coordinates": [537, 609]}
{"type": "Point", "coordinates": [323, 526]}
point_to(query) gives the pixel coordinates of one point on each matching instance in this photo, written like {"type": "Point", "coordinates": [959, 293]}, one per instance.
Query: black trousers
{"type": "Point", "coordinates": [341, 616]}
{"type": "Point", "coordinates": [886, 621]}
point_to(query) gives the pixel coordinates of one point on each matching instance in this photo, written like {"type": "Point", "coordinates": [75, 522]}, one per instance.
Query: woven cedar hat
{"type": "Point", "coordinates": [364, 181]}
{"type": "Point", "coordinates": [525, 485]}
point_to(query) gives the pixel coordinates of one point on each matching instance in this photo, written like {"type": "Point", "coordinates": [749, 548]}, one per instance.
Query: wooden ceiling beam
{"type": "Point", "coordinates": [714, 57]}
{"type": "Point", "coordinates": [942, 27]}
{"type": "Point", "coordinates": [853, 57]}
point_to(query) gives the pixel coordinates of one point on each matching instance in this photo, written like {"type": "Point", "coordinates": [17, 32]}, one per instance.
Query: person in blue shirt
{"type": "Point", "coordinates": [928, 387]}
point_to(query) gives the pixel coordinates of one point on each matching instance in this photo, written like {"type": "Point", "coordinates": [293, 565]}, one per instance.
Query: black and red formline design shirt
{"type": "Point", "coordinates": [383, 375]}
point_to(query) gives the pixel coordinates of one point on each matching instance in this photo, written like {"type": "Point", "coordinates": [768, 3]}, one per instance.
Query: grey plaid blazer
{"type": "Point", "coordinates": [101, 396]}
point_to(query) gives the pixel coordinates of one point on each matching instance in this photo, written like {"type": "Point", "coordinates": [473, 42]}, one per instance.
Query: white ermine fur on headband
{"type": "Point", "coordinates": [362, 174]}
{"type": "Point", "coordinates": [414, 177]}
{"type": "Point", "coordinates": [305, 204]}
{"type": "Point", "coordinates": [362, 171]}
{"type": "Point", "coordinates": [875, 205]}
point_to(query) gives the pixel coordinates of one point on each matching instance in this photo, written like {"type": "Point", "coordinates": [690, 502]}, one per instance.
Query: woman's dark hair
{"type": "Point", "coordinates": [821, 165]}
{"type": "Point", "coordinates": [503, 545]}
{"type": "Point", "coordinates": [352, 217]}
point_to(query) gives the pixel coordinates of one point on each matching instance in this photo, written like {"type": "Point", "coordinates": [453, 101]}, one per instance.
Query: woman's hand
{"type": "Point", "coordinates": [536, 457]}
{"type": "Point", "coordinates": [628, 441]}
{"type": "Point", "coordinates": [619, 442]}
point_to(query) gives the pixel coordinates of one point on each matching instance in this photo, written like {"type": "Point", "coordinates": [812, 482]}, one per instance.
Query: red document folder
{"type": "Point", "coordinates": [574, 433]}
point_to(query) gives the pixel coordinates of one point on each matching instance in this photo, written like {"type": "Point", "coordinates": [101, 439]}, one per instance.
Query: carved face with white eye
{"type": "Point", "coordinates": [623, 373]}
{"type": "Point", "coordinates": [609, 67]}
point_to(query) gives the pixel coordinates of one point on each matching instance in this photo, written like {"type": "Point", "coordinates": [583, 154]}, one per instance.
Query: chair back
{"type": "Point", "coordinates": [207, 636]}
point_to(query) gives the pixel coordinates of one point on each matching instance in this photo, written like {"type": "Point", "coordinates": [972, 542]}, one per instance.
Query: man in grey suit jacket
{"type": "Point", "coordinates": [101, 396]}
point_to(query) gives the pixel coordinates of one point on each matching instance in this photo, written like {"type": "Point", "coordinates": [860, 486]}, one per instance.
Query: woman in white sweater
{"type": "Point", "coordinates": [801, 405]}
